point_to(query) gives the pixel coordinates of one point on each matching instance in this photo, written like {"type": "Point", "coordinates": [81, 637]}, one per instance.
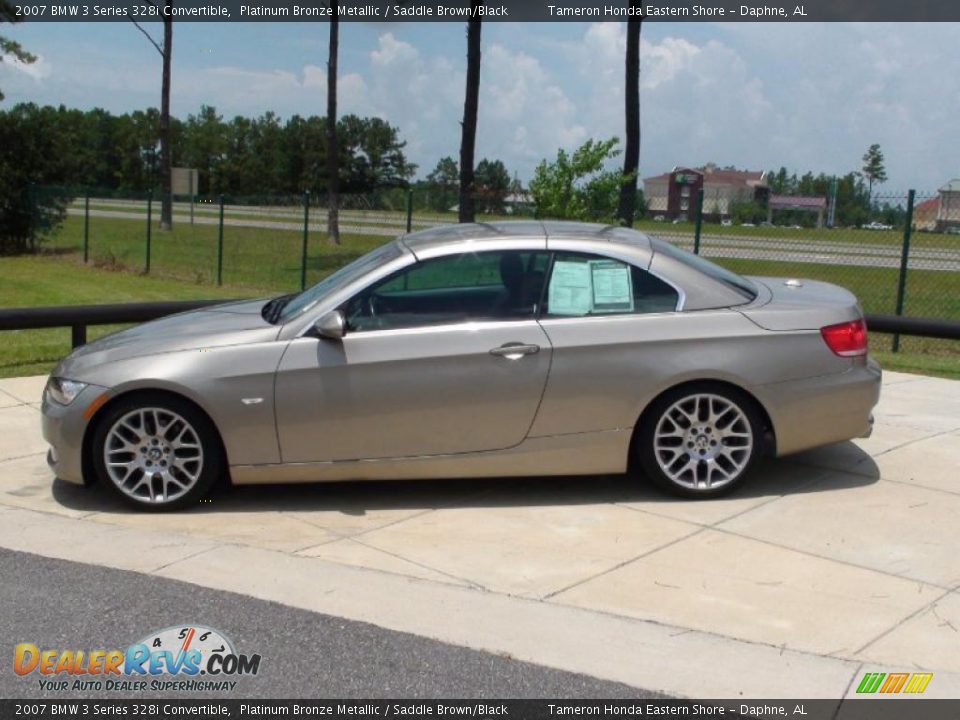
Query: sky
{"type": "Point", "coordinates": [807, 96]}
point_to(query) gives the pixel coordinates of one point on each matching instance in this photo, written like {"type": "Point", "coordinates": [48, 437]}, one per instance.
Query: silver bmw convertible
{"type": "Point", "coordinates": [493, 349]}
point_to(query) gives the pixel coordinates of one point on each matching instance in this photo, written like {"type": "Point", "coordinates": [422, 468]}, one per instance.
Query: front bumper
{"type": "Point", "coordinates": [63, 428]}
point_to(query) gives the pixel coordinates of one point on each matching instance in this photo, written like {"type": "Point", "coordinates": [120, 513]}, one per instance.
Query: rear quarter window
{"type": "Point", "coordinates": [736, 282]}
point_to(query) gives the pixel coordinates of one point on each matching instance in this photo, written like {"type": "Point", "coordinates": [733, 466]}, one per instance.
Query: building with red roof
{"type": "Point", "coordinates": [674, 194]}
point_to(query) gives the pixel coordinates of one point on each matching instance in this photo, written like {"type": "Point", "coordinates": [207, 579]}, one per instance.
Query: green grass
{"type": "Point", "coordinates": [909, 360]}
{"type": "Point", "coordinates": [262, 261]}
{"type": "Point", "coordinates": [257, 258]}
{"type": "Point", "coordinates": [29, 281]}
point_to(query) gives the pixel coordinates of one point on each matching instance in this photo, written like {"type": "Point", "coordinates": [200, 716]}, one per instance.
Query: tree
{"type": "Point", "coordinates": [305, 155]}
{"type": "Point", "coordinates": [471, 103]}
{"type": "Point", "coordinates": [135, 143]}
{"type": "Point", "coordinates": [266, 145]}
{"type": "Point", "coordinates": [747, 211]}
{"type": "Point", "coordinates": [236, 166]}
{"type": "Point", "coordinates": [631, 157]}
{"type": "Point", "coordinates": [8, 13]}
{"type": "Point", "coordinates": [873, 168]}
{"type": "Point", "coordinates": [442, 185]}
{"type": "Point", "coordinates": [577, 187]}
{"type": "Point", "coordinates": [205, 147]}
{"type": "Point", "coordinates": [371, 155]}
{"type": "Point", "coordinates": [35, 150]}
{"type": "Point", "coordinates": [243, 156]}
{"type": "Point", "coordinates": [853, 197]}
{"type": "Point", "coordinates": [492, 183]}
{"type": "Point", "coordinates": [333, 151]}
{"type": "Point", "coordinates": [166, 161]}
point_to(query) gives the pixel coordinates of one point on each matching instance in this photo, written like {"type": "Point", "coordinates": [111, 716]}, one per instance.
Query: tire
{"type": "Point", "coordinates": [156, 452]}
{"type": "Point", "coordinates": [700, 440]}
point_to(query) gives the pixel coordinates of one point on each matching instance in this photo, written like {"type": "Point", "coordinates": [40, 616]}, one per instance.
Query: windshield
{"type": "Point", "coordinates": [348, 273]}
{"type": "Point", "coordinates": [728, 278]}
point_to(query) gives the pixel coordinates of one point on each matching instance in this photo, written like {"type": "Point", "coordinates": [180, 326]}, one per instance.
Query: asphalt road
{"type": "Point", "coordinates": [64, 605]}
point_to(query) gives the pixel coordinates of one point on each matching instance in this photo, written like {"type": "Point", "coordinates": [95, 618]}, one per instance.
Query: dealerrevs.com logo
{"type": "Point", "coordinates": [183, 658]}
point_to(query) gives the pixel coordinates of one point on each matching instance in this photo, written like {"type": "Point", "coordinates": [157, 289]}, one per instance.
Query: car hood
{"type": "Point", "coordinates": [230, 324]}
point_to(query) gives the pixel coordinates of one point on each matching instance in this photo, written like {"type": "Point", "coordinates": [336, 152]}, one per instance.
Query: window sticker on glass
{"type": "Point", "coordinates": [611, 286]}
{"type": "Point", "coordinates": [570, 290]}
{"type": "Point", "coordinates": [585, 287]}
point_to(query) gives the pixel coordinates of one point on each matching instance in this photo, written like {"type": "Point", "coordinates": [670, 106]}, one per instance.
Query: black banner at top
{"type": "Point", "coordinates": [495, 11]}
{"type": "Point", "coordinates": [72, 708]}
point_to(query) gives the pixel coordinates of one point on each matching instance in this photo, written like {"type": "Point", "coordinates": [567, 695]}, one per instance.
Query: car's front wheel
{"type": "Point", "coordinates": [700, 440]}
{"type": "Point", "coordinates": [156, 452]}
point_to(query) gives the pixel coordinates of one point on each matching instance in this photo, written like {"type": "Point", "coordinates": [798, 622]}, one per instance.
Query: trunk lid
{"type": "Point", "coordinates": [792, 304]}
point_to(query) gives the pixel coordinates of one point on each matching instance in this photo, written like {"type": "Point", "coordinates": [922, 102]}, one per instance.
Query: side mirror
{"type": "Point", "coordinates": [331, 325]}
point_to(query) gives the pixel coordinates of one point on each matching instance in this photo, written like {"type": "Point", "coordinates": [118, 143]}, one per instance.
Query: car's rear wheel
{"type": "Point", "coordinates": [156, 452]}
{"type": "Point", "coordinates": [700, 440]}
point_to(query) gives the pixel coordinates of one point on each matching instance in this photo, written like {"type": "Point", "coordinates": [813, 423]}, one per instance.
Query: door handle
{"type": "Point", "coordinates": [515, 351]}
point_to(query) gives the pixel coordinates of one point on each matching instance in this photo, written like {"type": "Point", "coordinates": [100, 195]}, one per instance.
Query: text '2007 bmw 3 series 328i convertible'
{"type": "Point", "coordinates": [502, 349]}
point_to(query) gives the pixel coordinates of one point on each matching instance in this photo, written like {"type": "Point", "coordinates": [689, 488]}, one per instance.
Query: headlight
{"type": "Point", "coordinates": [64, 391]}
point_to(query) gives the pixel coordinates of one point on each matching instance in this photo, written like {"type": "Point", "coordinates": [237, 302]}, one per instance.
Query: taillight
{"type": "Point", "coordinates": [847, 339]}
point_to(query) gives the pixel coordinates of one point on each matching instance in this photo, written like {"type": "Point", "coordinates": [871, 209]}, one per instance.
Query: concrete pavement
{"type": "Point", "coordinates": [304, 654]}
{"type": "Point", "coordinates": [829, 564]}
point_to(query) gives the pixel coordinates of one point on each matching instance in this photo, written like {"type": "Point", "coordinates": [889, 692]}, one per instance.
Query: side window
{"type": "Point", "coordinates": [502, 285]}
{"type": "Point", "coordinates": [592, 285]}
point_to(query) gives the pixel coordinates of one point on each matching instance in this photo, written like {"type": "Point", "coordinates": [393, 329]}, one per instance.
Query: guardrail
{"type": "Point", "coordinates": [923, 327]}
{"type": "Point", "coordinates": [79, 317]}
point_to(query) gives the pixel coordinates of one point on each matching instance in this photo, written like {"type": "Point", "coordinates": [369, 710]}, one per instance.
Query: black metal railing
{"type": "Point", "coordinates": [916, 326]}
{"type": "Point", "coordinates": [79, 317]}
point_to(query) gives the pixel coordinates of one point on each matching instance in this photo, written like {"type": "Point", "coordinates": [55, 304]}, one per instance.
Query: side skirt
{"type": "Point", "coordinates": [580, 454]}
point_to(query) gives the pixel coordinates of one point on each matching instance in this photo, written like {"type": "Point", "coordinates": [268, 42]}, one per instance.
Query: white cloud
{"type": "Point", "coordinates": [524, 113]}
{"type": "Point", "coordinates": [699, 102]}
{"type": "Point", "coordinates": [837, 88]}
{"type": "Point", "coordinates": [662, 62]}
{"type": "Point", "coordinates": [412, 92]}
{"type": "Point", "coordinates": [765, 95]}
{"type": "Point", "coordinates": [39, 69]}
{"type": "Point", "coordinates": [392, 52]}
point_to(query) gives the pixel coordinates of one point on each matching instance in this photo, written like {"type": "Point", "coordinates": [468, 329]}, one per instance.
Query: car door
{"type": "Point", "coordinates": [445, 356]}
{"type": "Point", "coordinates": [613, 330]}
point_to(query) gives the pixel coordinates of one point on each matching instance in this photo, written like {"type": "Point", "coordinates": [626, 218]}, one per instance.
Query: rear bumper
{"type": "Point", "coordinates": [822, 410]}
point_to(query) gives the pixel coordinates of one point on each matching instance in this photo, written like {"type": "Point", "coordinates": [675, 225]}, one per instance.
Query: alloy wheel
{"type": "Point", "coordinates": [153, 455]}
{"type": "Point", "coordinates": [703, 442]}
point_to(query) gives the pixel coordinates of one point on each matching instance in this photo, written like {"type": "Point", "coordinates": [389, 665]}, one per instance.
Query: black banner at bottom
{"type": "Point", "coordinates": [875, 708]}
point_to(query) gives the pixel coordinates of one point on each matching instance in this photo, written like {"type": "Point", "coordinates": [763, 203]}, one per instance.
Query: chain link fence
{"type": "Point", "coordinates": [906, 261]}
{"type": "Point", "coordinates": [256, 242]}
